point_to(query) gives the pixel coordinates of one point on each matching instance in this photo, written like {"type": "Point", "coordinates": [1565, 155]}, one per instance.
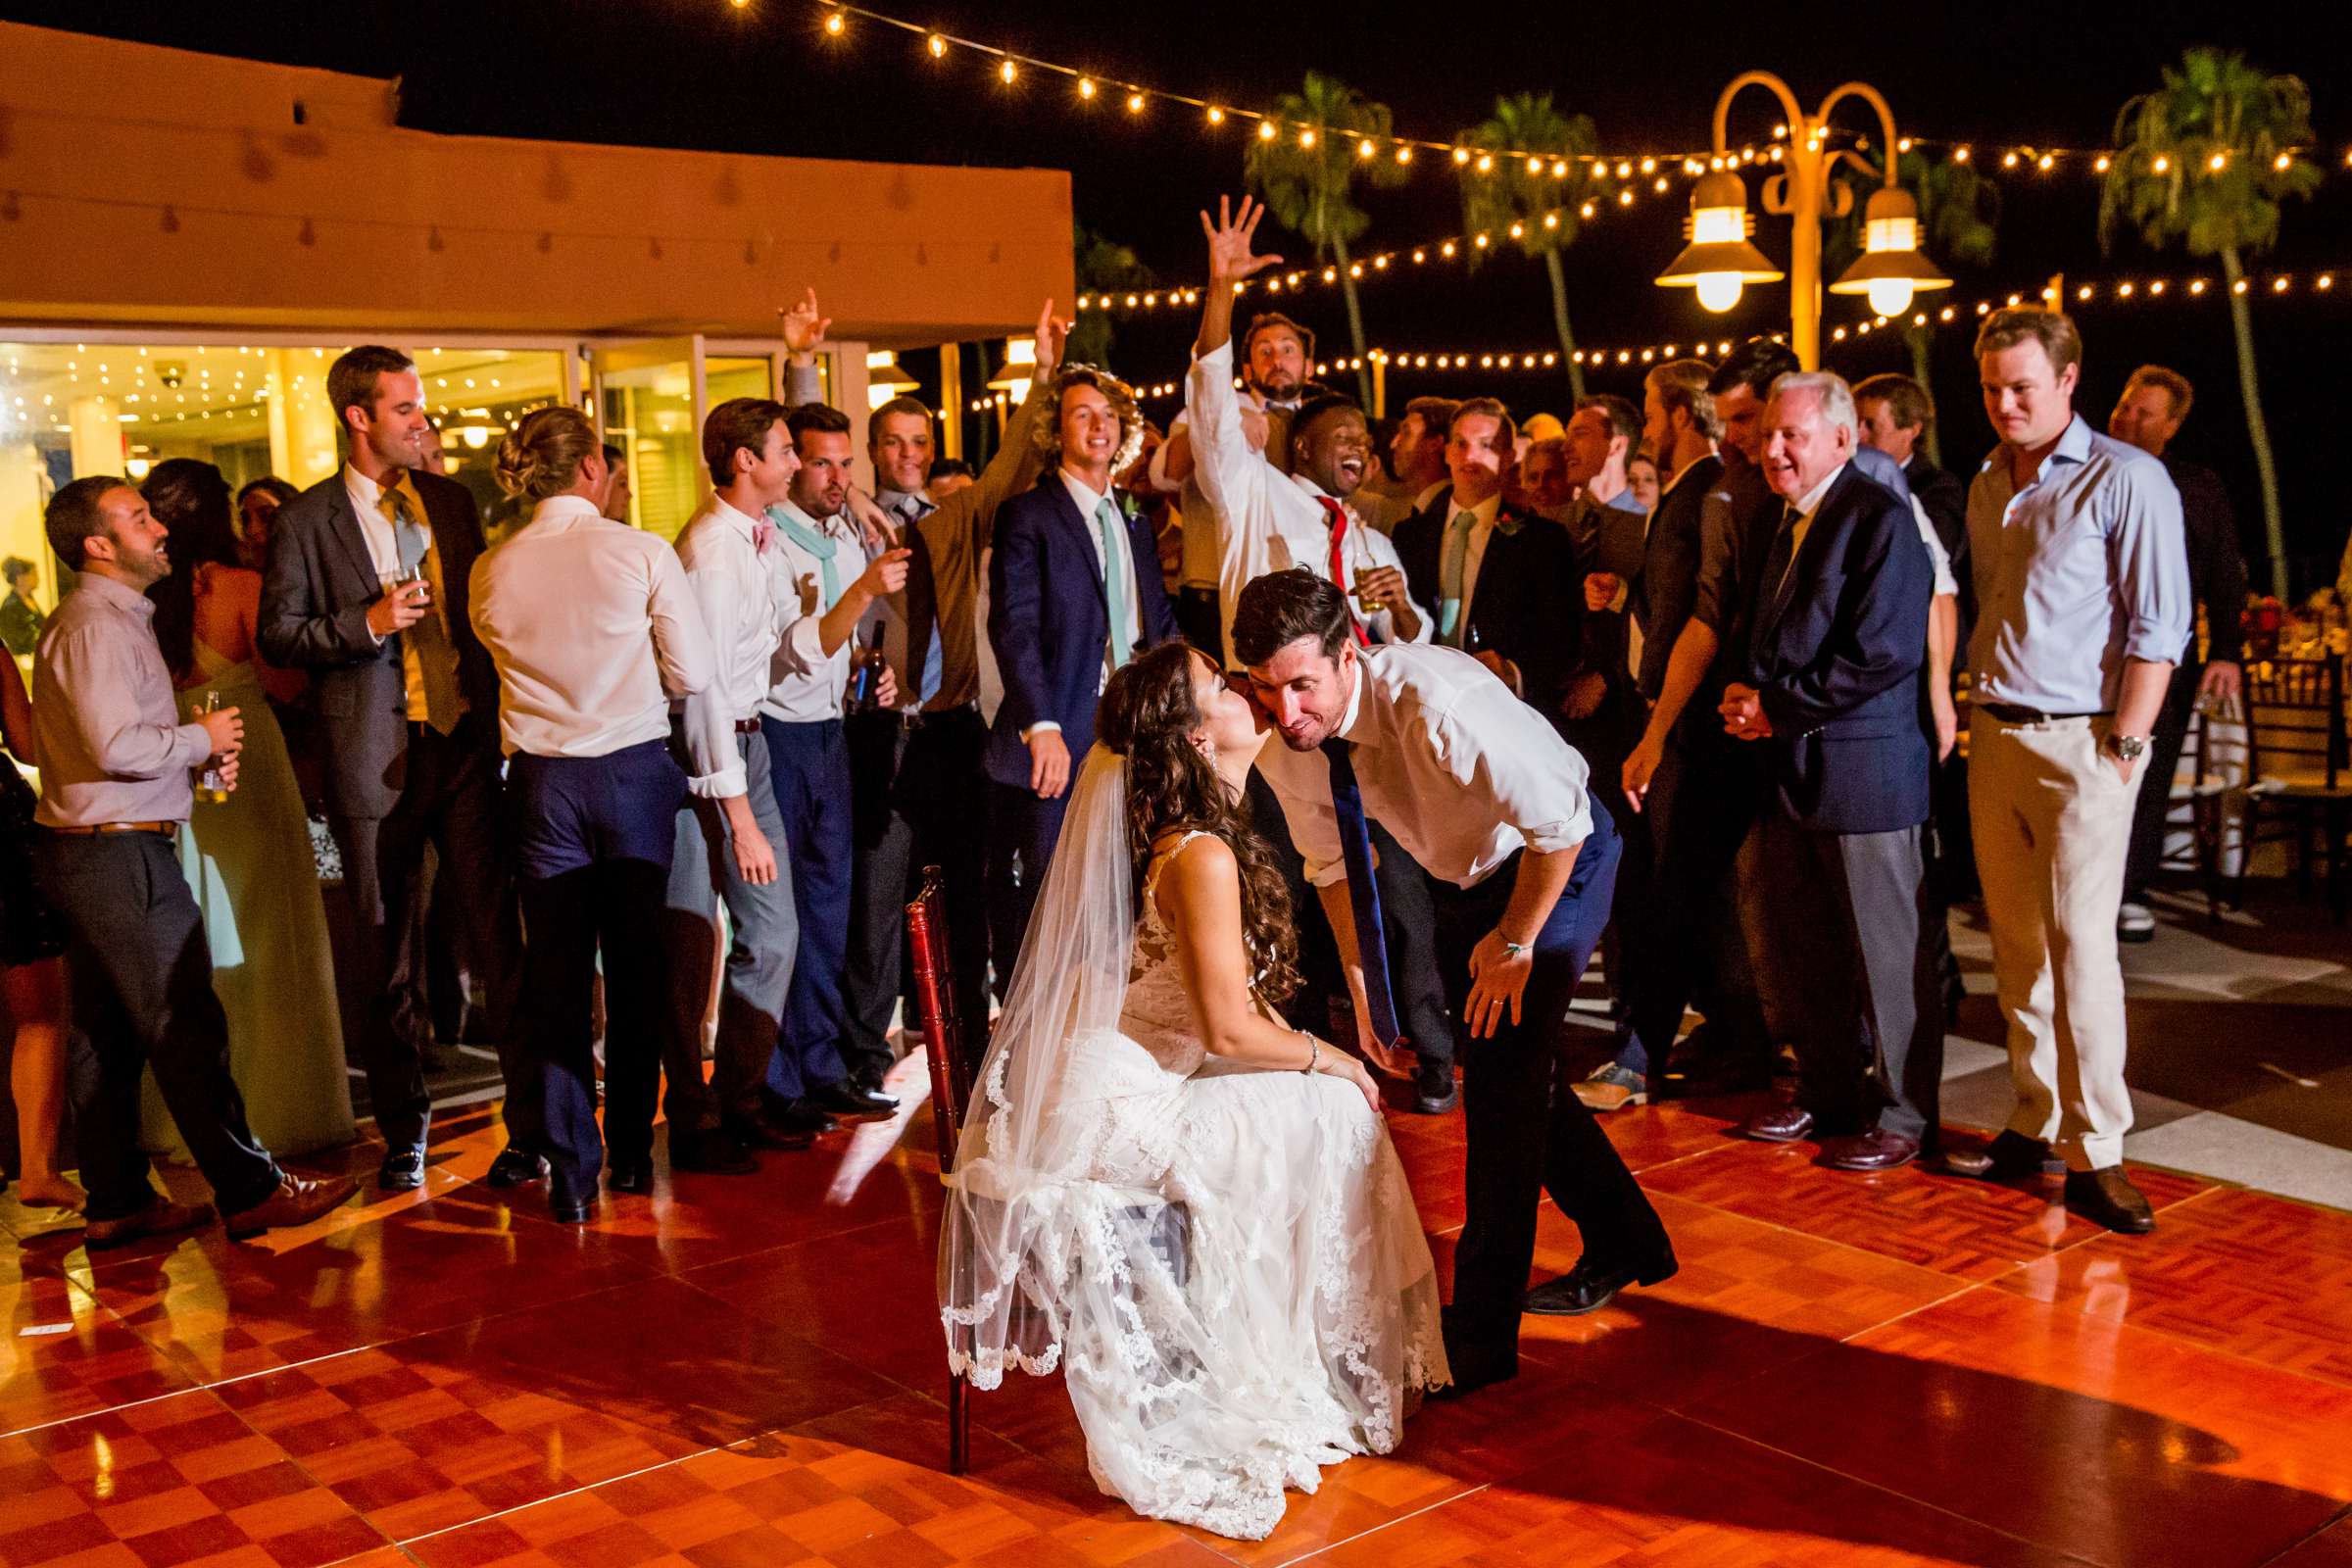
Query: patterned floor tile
{"type": "Point", "coordinates": [171, 1482]}
{"type": "Point", "coordinates": [889, 1324]}
{"type": "Point", "coordinates": [2060, 1427]}
{"type": "Point", "coordinates": [1973, 1230]}
{"type": "Point", "coordinates": [2244, 1273]}
{"type": "Point", "coordinates": [65, 1355]}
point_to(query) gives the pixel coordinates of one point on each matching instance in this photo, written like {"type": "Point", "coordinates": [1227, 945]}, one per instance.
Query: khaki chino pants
{"type": "Point", "coordinates": [2052, 821]}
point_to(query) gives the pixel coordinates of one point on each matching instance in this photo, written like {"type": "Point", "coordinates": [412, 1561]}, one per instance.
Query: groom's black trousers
{"type": "Point", "coordinates": [1527, 1131]}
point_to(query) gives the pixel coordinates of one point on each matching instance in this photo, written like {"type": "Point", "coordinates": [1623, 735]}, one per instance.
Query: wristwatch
{"type": "Point", "coordinates": [2126, 747]}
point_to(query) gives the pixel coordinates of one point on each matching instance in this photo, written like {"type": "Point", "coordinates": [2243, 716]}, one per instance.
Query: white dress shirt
{"type": "Point", "coordinates": [1462, 774]}
{"type": "Point", "coordinates": [1805, 506]}
{"type": "Point", "coordinates": [375, 525]}
{"type": "Point", "coordinates": [1265, 520]}
{"type": "Point", "coordinates": [736, 593]}
{"type": "Point", "coordinates": [593, 629]}
{"type": "Point", "coordinates": [806, 685]}
{"type": "Point", "coordinates": [1481, 530]}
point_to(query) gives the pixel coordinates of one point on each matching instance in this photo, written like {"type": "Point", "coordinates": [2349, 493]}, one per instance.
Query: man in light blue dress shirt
{"type": "Point", "coordinates": [2083, 606]}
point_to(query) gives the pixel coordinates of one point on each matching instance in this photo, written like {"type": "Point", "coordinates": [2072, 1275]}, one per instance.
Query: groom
{"type": "Point", "coordinates": [1477, 787]}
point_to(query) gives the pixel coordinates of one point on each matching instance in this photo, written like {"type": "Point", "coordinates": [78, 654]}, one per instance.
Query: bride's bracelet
{"type": "Point", "coordinates": [1314, 1053]}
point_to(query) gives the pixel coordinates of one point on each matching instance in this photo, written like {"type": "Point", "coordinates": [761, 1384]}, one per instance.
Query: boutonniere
{"type": "Point", "coordinates": [1505, 524]}
{"type": "Point", "coordinates": [1127, 505]}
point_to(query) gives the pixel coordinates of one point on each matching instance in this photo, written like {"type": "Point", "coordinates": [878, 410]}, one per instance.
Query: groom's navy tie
{"type": "Point", "coordinates": [1363, 892]}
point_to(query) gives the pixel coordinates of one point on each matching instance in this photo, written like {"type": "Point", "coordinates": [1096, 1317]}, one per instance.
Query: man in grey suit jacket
{"type": "Point", "coordinates": [365, 592]}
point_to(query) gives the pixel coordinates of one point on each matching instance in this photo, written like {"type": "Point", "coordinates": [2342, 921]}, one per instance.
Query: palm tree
{"type": "Point", "coordinates": [1959, 218]}
{"type": "Point", "coordinates": [2207, 160]}
{"type": "Point", "coordinates": [1102, 265]}
{"type": "Point", "coordinates": [1530, 195]}
{"type": "Point", "coordinates": [1307, 172]}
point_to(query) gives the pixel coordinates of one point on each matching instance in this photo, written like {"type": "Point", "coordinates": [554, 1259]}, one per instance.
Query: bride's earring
{"type": "Point", "coordinates": [1208, 750]}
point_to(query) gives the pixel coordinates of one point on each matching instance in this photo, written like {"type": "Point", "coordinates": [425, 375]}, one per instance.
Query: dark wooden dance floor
{"type": "Point", "coordinates": [741, 1374]}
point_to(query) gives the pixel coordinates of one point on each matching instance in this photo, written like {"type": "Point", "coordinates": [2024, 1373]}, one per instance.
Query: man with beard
{"type": "Point", "coordinates": [116, 767]}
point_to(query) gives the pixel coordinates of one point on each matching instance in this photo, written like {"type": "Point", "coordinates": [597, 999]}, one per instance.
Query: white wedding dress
{"type": "Point", "coordinates": [1224, 1260]}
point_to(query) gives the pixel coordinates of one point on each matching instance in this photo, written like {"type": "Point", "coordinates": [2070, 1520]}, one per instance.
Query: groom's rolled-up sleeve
{"type": "Point", "coordinates": [1514, 766]}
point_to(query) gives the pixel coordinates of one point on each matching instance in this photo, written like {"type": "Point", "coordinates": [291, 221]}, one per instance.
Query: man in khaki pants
{"type": "Point", "coordinates": [2082, 598]}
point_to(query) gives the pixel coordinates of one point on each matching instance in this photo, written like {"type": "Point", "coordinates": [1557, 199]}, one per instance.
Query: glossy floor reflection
{"type": "Point", "coordinates": [745, 1373]}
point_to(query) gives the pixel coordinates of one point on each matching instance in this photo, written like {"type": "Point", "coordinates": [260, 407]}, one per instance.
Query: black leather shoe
{"type": "Point", "coordinates": [564, 1210]}
{"type": "Point", "coordinates": [850, 1102]}
{"type": "Point", "coordinates": [2009, 1157]}
{"type": "Point", "coordinates": [514, 1166]}
{"type": "Point", "coordinates": [710, 1153]}
{"type": "Point", "coordinates": [790, 1116]}
{"type": "Point", "coordinates": [760, 1131]}
{"type": "Point", "coordinates": [1876, 1150]}
{"type": "Point", "coordinates": [629, 1176]}
{"type": "Point", "coordinates": [2108, 1197]}
{"type": "Point", "coordinates": [1782, 1124]}
{"type": "Point", "coordinates": [1431, 1101]}
{"type": "Point", "coordinates": [1590, 1286]}
{"type": "Point", "coordinates": [1476, 1360]}
{"type": "Point", "coordinates": [403, 1170]}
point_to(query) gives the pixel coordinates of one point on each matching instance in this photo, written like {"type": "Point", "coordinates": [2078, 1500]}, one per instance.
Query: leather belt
{"type": "Point", "coordinates": [921, 716]}
{"type": "Point", "coordinates": [2012, 713]}
{"type": "Point", "coordinates": [95, 828]}
{"type": "Point", "coordinates": [747, 726]}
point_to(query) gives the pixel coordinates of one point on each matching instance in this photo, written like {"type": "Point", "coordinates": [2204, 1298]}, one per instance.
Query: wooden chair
{"type": "Point", "coordinates": [2296, 764]}
{"type": "Point", "coordinates": [2208, 809]}
{"type": "Point", "coordinates": [951, 1086]}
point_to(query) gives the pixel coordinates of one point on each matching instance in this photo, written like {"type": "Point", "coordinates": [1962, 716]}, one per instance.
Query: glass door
{"type": "Point", "coordinates": [650, 399]}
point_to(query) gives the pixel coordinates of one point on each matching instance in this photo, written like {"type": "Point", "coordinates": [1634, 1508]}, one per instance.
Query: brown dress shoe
{"type": "Point", "coordinates": [159, 1218]}
{"type": "Point", "coordinates": [298, 1201]}
{"type": "Point", "coordinates": [1875, 1150]}
{"type": "Point", "coordinates": [2108, 1197]}
{"type": "Point", "coordinates": [2009, 1157]}
{"type": "Point", "coordinates": [1782, 1124]}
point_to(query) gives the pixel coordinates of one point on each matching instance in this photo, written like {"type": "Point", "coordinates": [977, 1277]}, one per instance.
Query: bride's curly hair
{"type": "Point", "coordinates": [1148, 716]}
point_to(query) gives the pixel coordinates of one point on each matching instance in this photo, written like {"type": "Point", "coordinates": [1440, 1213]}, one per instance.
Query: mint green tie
{"type": "Point", "coordinates": [1449, 577]}
{"type": "Point", "coordinates": [1114, 581]}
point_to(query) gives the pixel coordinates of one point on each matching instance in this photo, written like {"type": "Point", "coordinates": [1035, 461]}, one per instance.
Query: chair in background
{"type": "Point", "coordinates": [943, 1051]}
{"type": "Point", "coordinates": [2208, 809]}
{"type": "Point", "coordinates": [2296, 767]}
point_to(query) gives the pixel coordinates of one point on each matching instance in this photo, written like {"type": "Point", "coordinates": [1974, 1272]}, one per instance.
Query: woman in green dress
{"type": "Point", "coordinates": [248, 858]}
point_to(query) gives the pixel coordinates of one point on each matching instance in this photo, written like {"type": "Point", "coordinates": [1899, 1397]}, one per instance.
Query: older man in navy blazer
{"type": "Point", "coordinates": [1073, 591]}
{"type": "Point", "coordinates": [1832, 894]}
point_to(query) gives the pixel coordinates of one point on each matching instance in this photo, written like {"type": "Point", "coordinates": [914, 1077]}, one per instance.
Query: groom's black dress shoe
{"type": "Point", "coordinates": [1476, 1360]}
{"type": "Point", "coordinates": [1592, 1285]}
{"type": "Point", "coordinates": [1435, 1099]}
{"type": "Point", "coordinates": [514, 1166]}
{"type": "Point", "coordinates": [845, 1102]}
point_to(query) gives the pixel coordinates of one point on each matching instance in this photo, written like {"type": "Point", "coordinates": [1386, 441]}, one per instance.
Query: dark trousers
{"type": "Point", "coordinates": [1021, 833]}
{"type": "Point", "coordinates": [1321, 1000]}
{"type": "Point", "coordinates": [1839, 923]}
{"type": "Point", "coordinates": [1199, 618]}
{"type": "Point", "coordinates": [141, 974]}
{"type": "Point", "coordinates": [917, 800]}
{"type": "Point", "coordinates": [1605, 738]}
{"type": "Point", "coordinates": [1527, 1133]}
{"type": "Point", "coordinates": [450, 799]}
{"type": "Point", "coordinates": [811, 763]}
{"type": "Point", "coordinates": [594, 837]}
{"type": "Point", "coordinates": [2147, 850]}
{"type": "Point", "coordinates": [1701, 801]}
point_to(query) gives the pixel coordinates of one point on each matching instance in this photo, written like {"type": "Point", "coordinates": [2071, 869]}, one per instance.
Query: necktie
{"type": "Point", "coordinates": [1339, 566]}
{"type": "Point", "coordinates": [1363, 892]}
{"type": "Point", "coordinates": [1110, 526]}
{"type": "Point", "coordinates": [820, 545]}
{"type": "Point", "coordinates": [916, 627]}
{"type": "Point", "coordinates": [1784, 543]}
{"type": "Point", "coordinates": [428, 662]}
{"type": "Point", "coordinates": [764, 534]}
{"type": "Point", "coordinates": [1449, 577]}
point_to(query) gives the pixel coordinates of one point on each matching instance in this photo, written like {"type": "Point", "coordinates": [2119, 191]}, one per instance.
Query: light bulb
{"type": "Point", "coordinates": [1891, 296]}
{"type": "Point", "coordinates": [1719, 291]}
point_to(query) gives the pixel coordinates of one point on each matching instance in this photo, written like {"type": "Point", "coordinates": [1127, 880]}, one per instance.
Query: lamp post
{"type": "Point", "coordinates": [1720, 261]}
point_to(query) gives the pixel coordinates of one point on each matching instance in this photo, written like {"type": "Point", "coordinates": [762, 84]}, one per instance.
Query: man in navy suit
{"type": "Point", "coordinates": [1832, 893]}
{"type": "Point", "coordinates": [1073, 592]}
{"type": "Point", "coordinates": [365, 593]}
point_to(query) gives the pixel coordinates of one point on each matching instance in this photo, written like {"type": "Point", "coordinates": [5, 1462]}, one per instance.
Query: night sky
{"type": "Point", "coordinates": [766, 79]}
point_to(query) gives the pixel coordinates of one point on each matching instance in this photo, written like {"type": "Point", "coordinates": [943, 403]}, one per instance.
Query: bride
{"type": "Point", "coordinates": [1191, 1211]}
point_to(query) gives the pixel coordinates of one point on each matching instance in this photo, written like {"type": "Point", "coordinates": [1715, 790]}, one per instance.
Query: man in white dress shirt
{"type": "Point", "coordinates": [824, 586]}
{"type": "Point", "coordinates": [730, 834]}
{"type": "Point", "coordinates": [1266, 521]}
{"type": "Point", "coordinates": [594, 631]}
{"type": "Point", "coordinates": [1487, 797]}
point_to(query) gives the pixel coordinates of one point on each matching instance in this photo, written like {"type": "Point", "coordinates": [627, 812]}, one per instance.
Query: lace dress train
{"type": "Point", "coordinates": [1239, 1292]}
